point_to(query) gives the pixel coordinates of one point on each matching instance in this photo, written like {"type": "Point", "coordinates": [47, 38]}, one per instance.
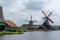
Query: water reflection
{"type": "Point", "coordinates": [42, 35]}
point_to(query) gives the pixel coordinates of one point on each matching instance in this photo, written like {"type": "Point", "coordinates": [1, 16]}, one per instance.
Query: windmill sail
{"type": "Point", "coordinates": [50, 14]}
{"type": "Point", "coordinates": [50, 20]}
{"type": "Point", "coordinates": [44, 13]}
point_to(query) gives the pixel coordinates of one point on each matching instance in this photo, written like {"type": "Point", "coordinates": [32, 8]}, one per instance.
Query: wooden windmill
{"type": "Point", "coordinates": [46, 19]}
{"type": "Point", "coordinates": [31, 22]}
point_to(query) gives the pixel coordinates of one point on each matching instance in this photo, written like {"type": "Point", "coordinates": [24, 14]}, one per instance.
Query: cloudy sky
{"type": "Point", "coordinates": [20, 10]}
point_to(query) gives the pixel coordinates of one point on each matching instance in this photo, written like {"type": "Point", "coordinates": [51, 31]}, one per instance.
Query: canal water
{"type": "Point", "coordinates": [38, 35]}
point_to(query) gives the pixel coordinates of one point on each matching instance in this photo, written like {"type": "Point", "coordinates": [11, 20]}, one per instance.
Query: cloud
{"type": "Point", "coordinates": [6, 3]}
{"type": "Point", "coordinates": [34, 5]}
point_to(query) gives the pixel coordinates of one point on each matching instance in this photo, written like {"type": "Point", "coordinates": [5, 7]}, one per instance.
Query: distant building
{"type": "Point", "coordinates": [34, 26]}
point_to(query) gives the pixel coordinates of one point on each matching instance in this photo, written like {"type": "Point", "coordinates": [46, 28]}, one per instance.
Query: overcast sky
{"type": "Point", "coordinates": [20, 10]}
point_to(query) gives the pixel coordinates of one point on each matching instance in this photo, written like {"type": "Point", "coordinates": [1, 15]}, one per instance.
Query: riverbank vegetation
{"type": "Point", "coordinates": [12, 31]}
{"type": "Point", "coordinates": [2, 33]}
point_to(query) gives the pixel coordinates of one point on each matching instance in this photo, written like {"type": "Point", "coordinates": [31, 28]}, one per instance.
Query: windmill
{"type": "Point", "coordinates": [31, 22]}
{"type": "Point", "coordinates": [46, 19]}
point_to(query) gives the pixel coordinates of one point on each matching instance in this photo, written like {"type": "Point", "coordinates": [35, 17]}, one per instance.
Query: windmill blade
{"type": "Point", "coordinates": [50, 20]}
{"type": "Point", "coordinates": [44, 13]}
{"type": "Point", "coordinates": [50, 14]}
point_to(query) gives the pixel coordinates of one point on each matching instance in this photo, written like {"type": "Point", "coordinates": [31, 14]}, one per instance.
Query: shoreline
{"type": "Point", "coordinates": [3, 33]}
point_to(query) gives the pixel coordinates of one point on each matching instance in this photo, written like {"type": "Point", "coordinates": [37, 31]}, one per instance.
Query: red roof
{"type": "Point", "coordinates": [10, 23]}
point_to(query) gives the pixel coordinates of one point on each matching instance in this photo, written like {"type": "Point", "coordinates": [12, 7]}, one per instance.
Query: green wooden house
{"type": "Point", "coordinates": [2, 26]}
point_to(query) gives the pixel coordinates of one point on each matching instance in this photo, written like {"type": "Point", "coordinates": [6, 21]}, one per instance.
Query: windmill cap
{"type": "Point", "coordinates": [0, 6]}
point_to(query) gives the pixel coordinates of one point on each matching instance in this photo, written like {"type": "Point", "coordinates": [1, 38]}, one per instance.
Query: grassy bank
{"type": "Point", "coordinates": [2, 33]}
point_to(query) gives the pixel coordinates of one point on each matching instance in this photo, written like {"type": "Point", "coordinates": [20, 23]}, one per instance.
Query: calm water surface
{"type": "Point", "coordinates": [42, 35]}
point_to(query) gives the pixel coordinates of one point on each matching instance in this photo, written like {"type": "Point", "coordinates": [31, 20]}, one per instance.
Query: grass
{"type": "Point", "coordinates": [2, 33]}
